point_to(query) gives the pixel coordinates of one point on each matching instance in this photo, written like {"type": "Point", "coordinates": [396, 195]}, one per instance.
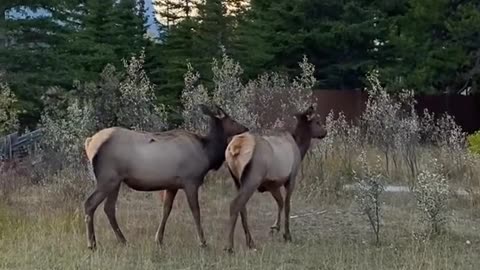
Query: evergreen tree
{"type": "Point", "coordinates": [28, 51]}
{"type": "Point", "coordinates": [250, 42]}
{"type": "Point", "coordinates": [210, 36]}
{"type": "Point", "coordinates": [176, 46]}
{"type": "Point", "coordinates": [338, 37]}
{"type": "Point", "coordinates": [131, 33]}
{"type": "Point", "coordinates": [435, 44]}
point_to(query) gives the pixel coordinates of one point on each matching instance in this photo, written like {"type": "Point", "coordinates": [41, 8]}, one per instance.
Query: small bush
{"type": "Point", "coordinates": [194, 94]}
{"type": "Point", "coordinates": [474, 142]}
{"type": "Point", "coordinates": [229, 92]}
{"type": "Point", "coordinates": [8, 110]}
{"type": "Point", "coordinates": [65, 134]}
{"type": "Point", "coordinates": [139, 108]}
{"type": "Point", "coordinates": [431, 193]}
{"type": "Point", "coordinates": [370, 182]}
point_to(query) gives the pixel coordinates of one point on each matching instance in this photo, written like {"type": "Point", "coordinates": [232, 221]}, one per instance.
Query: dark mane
{"type": "Point", "coordinates": [215, 143]}
{"type": "Point", "coordinates": [302, 135]}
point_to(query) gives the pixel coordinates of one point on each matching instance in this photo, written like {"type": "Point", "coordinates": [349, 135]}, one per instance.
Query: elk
{"type": "Point", "coordinates": [164, 161]}
{"type": "Point", "coordinates": [266, 161]}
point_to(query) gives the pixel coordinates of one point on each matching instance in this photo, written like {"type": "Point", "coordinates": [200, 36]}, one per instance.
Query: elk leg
{"type": "Point", "coordinates": [110, 211]}
{"type": "Point", "coordinates": [243, 216]}
{"type": "Point", "coordinates": [289, 190]}
{"type": "Point", "coordinates": [277, 195]}
{"type": "Point", "coordinates": [244, 194]}
{"type": "Point", "coordinates": [192, 198]}
{"type": "Point", "coordinates": [91, 205]}
{"type": "Point", "coordinates": [169, 197]}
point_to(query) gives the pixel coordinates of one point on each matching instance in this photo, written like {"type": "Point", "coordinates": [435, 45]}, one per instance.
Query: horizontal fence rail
{"type": "Point", "coordinates": [13, 146]}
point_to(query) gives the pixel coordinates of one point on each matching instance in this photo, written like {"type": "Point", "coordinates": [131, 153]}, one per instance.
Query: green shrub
{"type": "Point", "coordinates": [8, 110]}
{"type": "Point", "coordinates": [474, 142]}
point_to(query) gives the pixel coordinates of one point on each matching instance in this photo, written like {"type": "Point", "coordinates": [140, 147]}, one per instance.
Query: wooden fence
{"type": "Point", "coordinates": [14, 146]}
{"type": "Point", "coordinates": [465, 109]}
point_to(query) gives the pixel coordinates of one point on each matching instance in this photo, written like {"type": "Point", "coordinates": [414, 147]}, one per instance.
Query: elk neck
{"type": "Point", "coordinates": [303, 137]}
{"type": "Point", "coordinates": [215, 144]}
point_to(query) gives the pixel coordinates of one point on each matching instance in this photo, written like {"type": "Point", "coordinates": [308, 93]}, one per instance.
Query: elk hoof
{"type": "Point", "coordinates": [287, 237]}
{"type": "Point", "coordinates": [251, 244]}
{"type": "Point", "coordinates": [92, 246]}
{"type": "Point", "coordinates": [203, 245]}
{"type": "Point", "coordinates": [228, 250]}
{"type": "Point", "coordinates": [274, 229]}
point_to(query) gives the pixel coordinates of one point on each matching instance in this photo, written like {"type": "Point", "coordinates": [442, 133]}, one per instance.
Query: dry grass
{"type": "Point", "coordinates": [41, 228]}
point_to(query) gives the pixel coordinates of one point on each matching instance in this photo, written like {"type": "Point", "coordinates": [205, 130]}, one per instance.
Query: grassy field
{"type": "Point", "coordinates": [41, 229]}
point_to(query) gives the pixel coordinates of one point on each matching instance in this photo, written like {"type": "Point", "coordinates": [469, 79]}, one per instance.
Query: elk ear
{"type": "Point", "coordinates": [220, 113]}
{"type": "Point", "coordinates": [309, 112]}
{"type": "Point", "coordinates": [205, 110]}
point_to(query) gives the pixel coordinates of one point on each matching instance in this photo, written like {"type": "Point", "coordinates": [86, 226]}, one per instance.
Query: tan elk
{"type": "Point", "coordinates": [266, 162]}
{"type": "Point", "coordinates": [169, 161]}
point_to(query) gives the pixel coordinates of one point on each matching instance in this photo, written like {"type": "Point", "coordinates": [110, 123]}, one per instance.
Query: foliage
{"type": "Point", "coordinates": [64, 135]}
{"type": "Point", "coordinates": [391, 123]}
{"type": "Point", "coordinates": [341, 135]}
{"type": "Point", "coordinates": [474, 142]}
{"type": "Point", "coordinates": [270, 91]}
{"type": "Point", "coordinates": [63, 41]}
{"type": "Point", "coordinates": [104, 95]}
{"type": "Point", "coordinates": [431, 193]}
{"type": "Point", "coordinates": [178, 48]}
{"type": "Point", "coordinates": [371, 186]}
{"type": "Point", "coordinates": [431, 46]}
{"type": "Point", "coordinates": [247, 103]}
{"type": "Point", "coordinates": [117, 99]}
{"type": "Point", "coordinates": [8, 110]}
{"type": "Point", "coordinates": [138, 105]}
{"type": "Point", "coordinates": [192, 95]}
{"type": "Point", "coordinates": [230, 93]}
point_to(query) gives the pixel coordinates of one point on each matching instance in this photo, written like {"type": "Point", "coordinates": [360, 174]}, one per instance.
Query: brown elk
{"type": "Point", "coordinates": [168, 161]}
{"type": "Point", "coordinates": [266, 162]}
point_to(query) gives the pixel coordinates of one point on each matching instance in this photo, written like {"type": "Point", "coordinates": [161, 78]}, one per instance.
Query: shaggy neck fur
{"type": "Point", "coordinates": [215, 144]}
{"type": "Point", "coordinates": [302, 136]}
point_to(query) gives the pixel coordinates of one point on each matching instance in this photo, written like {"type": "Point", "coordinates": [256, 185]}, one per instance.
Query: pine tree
{"type": "Point", "coordinates": [176, 46]}
{"type": "Point", "coordinates": [435, 44]}
{"type": "Point", "coordinates": [131, 33]}
{"type": "Point", "coordinates": [210, 36]}
{"type": "Point", "coordinates": [28, 52]}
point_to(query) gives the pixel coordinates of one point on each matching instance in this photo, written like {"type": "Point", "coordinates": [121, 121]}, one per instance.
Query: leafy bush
{"type": "Point", "coordinates": [8, 110]}
{"type": "Point", "coordinates": [192, 95]}
{"type": "Point", "coordinates": [65, 134]}
{"type": "Point", "coordinates": [431, 193]}
{"type": "Point", "coordinates": [247, 103]}
{"type": "Point", "coordinates": [231, 94]}
{"type": "Point", "coordinates": [139, 108]}
{"type": "Point", "coordinates": [389, 123]}
{"type": "Point", "coordinates": [370, 182]}
{"type": "Point", "coordinates": [474, 142]}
